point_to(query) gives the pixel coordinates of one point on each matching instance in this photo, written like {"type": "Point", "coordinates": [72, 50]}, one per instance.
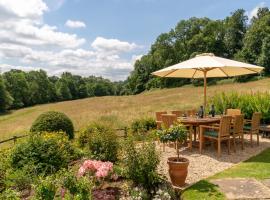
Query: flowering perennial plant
{"type": "Point", "coordinates": [101, 169]}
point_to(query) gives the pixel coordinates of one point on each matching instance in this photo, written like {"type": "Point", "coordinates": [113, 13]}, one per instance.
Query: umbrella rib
{"type": "Point", "coordinates": [194, 73]}
{"type": "Point", "coordinates": [224, 72]}
{"type": "Point", "coordinates": [169, 72]}
{"type": "Point", "coordinates": [250, 70]}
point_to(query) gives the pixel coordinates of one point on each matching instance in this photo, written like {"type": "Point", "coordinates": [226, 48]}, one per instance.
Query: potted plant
{"type": "Point", "coordinates": [178, 166]}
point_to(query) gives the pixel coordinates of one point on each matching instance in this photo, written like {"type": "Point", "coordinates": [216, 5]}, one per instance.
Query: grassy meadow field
{"type": "Point", "coordinates": [121, 109]}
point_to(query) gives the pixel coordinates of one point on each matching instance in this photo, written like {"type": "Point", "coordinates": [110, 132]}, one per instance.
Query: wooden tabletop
{"type": "Point", "coordinates": [198, 121]}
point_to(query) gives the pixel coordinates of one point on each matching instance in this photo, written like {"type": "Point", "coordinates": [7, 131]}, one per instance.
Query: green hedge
{"type": "Point", "coordinates": [53, 122]}
{"type": "Point", "coordinates": [247, 102]}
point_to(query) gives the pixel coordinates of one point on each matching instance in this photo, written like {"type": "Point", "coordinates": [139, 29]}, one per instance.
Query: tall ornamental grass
{"type": "Point", "coordinates": [247, 102]}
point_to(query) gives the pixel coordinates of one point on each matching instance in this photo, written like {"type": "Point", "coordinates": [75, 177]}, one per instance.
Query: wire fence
{"type": "Point", "coordinates": [15, 138]}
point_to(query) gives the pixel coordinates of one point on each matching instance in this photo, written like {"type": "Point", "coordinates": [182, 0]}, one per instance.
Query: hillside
{"type": "Point", "coordinates": [121, 109]}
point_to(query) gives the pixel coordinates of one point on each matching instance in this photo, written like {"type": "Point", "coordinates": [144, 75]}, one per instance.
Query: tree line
{"type": "Point", "coordinates": [21, 89]}
{"type": "Point", "coordinates": [235, 37]}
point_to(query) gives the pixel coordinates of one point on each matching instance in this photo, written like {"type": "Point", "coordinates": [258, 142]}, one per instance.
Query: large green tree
{"type": "Point", "coordinates": [256, 41]}
{"type": "Point", "coordinates": [5, 98]}
{"type": "Point", "coordinates": [18, 87]}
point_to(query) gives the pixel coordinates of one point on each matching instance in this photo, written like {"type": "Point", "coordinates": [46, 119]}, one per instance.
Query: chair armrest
{"type": "Point", "coordinates": [247, 121]}
{"type": "Point", "coordinates": [209, 127]}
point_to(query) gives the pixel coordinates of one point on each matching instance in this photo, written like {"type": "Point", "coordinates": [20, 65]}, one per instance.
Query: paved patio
{"type": "Point", "coordinates": [239, 188]}
{"type": "Point", "coordinates": [207, 164]}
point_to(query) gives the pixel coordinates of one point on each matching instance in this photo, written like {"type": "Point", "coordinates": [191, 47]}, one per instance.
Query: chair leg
{"type": "Point", "coordinates": [219, 148]}
{"type": "Point", "coordinates": [242, 141]}
{"type": "Point", "coordinates": [229, 146]}
{"type": "Point", "coordinates": [234, 145]}
{"type": "Point", "coordinates": [258, 138]}
{"type": "Point", "coordinates": [251, 139]}
{"type": "Point", "coordinates": [163, 146]}
{"type": "Point", "coordinates": [201, 142]}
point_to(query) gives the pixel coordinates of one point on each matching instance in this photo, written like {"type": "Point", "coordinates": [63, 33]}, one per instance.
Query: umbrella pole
{"type": "Point", "coordinates": [205, 84]}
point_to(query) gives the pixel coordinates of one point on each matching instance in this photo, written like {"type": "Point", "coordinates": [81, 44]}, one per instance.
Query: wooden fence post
{"type": "Point", "coordinates": [14, 139]}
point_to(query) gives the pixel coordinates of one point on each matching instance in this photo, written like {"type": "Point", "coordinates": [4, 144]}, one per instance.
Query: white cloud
{"type": "Point", "coordinates": [21, 23]}
{"type": "Point", "coordinates": [78, 61]}
{"type": "Point", "coordinates": [254, 11]}
{"type": "Point", "coordinates": [75, 24]}
{"type": "Point", "coordinates": [112, 45]}
{"type": "Point", "coordinates": [23, 9]}
{"type": "Point", "coordinates": [27, 43]}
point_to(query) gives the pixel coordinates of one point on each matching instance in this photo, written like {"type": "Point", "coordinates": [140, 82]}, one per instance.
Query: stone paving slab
{"type": "Point", "coordinates": [266, 182]}
{"type": "Point", "coordinates": [239, 188]}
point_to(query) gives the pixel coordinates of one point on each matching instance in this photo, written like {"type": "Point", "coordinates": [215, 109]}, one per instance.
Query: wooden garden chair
{"type": "Point", "coordinates": [218, 134]}
{"type": "Point", "coordinates": [159, 119]}
{"type": "Point", "coordinates": [233, 112]}
{"type": "Point", "coordinates": [178, 113]}
{"type": "Point", "coordinates": [238, 130]}
{"type": "Point", "coordinates": [168, 120]}
{"type": "Point", "coordinates": [191, 113]}
{"type": "Point", "coordinates": [252, 126]}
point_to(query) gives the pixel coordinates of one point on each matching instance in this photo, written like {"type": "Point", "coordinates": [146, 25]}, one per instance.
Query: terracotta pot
{"type": "Point", "coordinates": [178, 170]}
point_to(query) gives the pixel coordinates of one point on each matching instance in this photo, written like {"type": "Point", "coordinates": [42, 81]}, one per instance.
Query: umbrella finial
{"type": "Point", "coordinates": [205, 54]}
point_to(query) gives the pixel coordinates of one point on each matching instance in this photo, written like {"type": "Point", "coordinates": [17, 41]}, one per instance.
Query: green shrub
{"type": "Point", "coordinates": [4, 166]}
{"type": "Point", "coordinates": [247, 102]}
{"type": "Point", "coordinates": [143, 125]}
{"type": "Point", "coordinates": [9, 194]}
{"type": "Point", "coordinates": [79, 188]}
{"type": "Point", "coordinates": [46, 188]}
{"type": "Point", "coordinates": [19, 179]}
{"type": "Point", "coordinates": [141, 164]}
{"type": "Point", "coordinates": [85, 134]}
{"type": "Point", "coordinates": [47, 153]}
{"type": "Point", "coordinates": [53, 122]}
{"type": "Point", "coordinates": [101, 140]}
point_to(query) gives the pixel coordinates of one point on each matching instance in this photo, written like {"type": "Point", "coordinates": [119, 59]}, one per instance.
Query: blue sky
{"type": "Point", "coordinates": [99, 37]}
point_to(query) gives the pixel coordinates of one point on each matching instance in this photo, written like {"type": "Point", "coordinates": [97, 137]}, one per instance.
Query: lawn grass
{"type": "Point", "coordinates": [203, 190]}
{"type": "Point", "coordinates": [121, 109]}
{"type": "Point", "coordinates": [257, 167]}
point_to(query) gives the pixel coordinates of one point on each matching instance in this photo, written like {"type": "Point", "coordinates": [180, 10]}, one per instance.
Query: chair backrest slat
{"type": "Point", "coordinates": [233, 112]}
{"type": "Point", "coordinates": [191, 113]}
{"type": "Point", "coordinates": [158, 115]}
{"type": "Point", "coordinates": [168, 120]}
{"type": "Point", "coordinates": [225, 126]}
{"type": "Point", "coordinates": [178, 113]}
{"type": "Point", "coordinates": [255, 122]}
{"type": "Point", "coordinates": [238, 124]}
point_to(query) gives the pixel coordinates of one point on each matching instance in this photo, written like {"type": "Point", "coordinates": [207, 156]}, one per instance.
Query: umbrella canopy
{"type": "Point", "coordinates": [208, 65]}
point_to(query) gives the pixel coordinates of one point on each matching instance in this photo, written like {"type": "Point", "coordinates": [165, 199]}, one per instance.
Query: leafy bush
{"type": "Point", "coordinates": [4, 166]}
{"type": "Point", "coordinates": [47, 153]}
{"type": "Point", "coordinates": [77, 187]}
{"type": "Point", "coordinates": [85, 134]}
{"type": "Point", "coordinates": [143, 125]}
{"type": "Point", "coordinates": [46, 188]}
{"type": "Point", "coordinates": [102, 142]}
{"type": "Point", "coordinates": [247, 102]}
{"type": "Point", "coordinates": [141, 164]}
{"type": "Point", "coordinates": [18, 179]}
{"type": "Point", "coordinates": [53, 122]}
{"type": "Point", "coordinates": [9, 194]}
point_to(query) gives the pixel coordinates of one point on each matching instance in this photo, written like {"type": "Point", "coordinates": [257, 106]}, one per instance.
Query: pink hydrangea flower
{"type": "Point", "coordinates": [101, 169]}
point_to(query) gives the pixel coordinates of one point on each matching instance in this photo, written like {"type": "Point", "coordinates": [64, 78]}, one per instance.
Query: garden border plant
{"type": "Point", "coordinates": [53, 121]}
{"type": "Point", "coordinates": [177, 165]}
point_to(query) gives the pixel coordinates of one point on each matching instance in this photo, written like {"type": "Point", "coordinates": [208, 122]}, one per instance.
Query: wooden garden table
{"type": "Point", "coordinates": [195, 122]}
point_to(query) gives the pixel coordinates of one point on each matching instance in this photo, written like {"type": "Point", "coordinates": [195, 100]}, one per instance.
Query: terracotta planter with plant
{"type": "Point", "coordinates": [178, 166]}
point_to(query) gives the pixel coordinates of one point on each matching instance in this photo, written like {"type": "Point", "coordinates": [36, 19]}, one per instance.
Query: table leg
{"type": "Point", "coordinates": [191, 131]}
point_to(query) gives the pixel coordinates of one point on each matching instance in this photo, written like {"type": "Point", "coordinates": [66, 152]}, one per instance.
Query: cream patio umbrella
{"type": "Point", "coordinates": [207, 65]}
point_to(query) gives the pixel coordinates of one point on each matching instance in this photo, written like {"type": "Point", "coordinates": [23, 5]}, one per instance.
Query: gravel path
{"type": "Point", "coordinates": [207, 164]}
